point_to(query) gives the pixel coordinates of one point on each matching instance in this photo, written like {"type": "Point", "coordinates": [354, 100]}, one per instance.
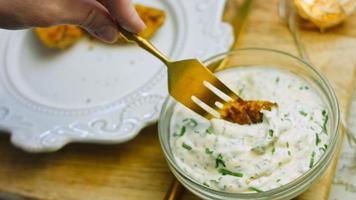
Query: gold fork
{"type": "Point", "coordinates": [190, 82]}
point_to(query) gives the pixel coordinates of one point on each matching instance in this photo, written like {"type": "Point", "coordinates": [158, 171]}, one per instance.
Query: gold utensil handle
{"type": "Point", "coordinates": [175, 191]}
{"type": "Point", "coordinates": [145, 44]}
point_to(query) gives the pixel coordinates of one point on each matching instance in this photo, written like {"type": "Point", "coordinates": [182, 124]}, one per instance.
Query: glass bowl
{"type": "Point", "coordinates": [266, 58]}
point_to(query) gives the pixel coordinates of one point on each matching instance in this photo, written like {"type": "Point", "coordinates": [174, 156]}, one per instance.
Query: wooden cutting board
{"type": "Point", "coordinates": [137, 169]}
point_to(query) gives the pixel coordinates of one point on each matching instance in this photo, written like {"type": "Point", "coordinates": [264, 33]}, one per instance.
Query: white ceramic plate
{"type": "Point", "coordinates": [94, 92]}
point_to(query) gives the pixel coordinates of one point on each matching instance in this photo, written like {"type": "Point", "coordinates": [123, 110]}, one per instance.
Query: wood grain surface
{"type": "Point", "coordinates": [137, 169]}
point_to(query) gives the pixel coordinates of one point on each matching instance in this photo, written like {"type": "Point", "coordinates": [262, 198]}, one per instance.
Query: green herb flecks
{"type": "Point", "coordinates": [277, 80]}
{"type": "Point", "coordinates": [326, 118]}
{"type": "Point", "coordinates": [191, 122]}
{"type": "Point", "coordinates": [270, 132]}
{"type": "Point", "coordinates": [224, 172]}
{"type": "Point", "coordinates": [317, 139]}
{"type": "Point", "coordinates": [187, 147]}
{"type": "Point", "coordinates": [181, 132]}
{"type": "Point", "coordinates": [219, 161]}
{"type": "Point", "coordinates": [303, 88]}
{"type": "Point", "coordinates": [287, 144]}
{"type": "Point", "coordinates": [324, 147]}
{"type": "Point", "coordinates": [273, 150]}
{"type": "Point", "coordinates": [209, 130]}
{"type": "Point", "coordinates": [205, 184]}
{"type": "Point", "coordinates": [303, 113]}
{"type": "Point", "coordinates": [289, 153]}
{"type": "Point", "coordinates": [255, 189]}
{"type": "Point", "coordinates": [278, 180]}
{"type": "Point", "coordinates": [208, 151]}
{"type": "Point", "coordinates": [311, 163]}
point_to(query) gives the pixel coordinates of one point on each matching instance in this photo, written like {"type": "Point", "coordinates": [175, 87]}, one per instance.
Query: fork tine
{"type": "Point", "coordinates": [200, 111]}
{"type": "Point", "coordinates": [210, 98]}
{"type": "Point", "coordinates": [223, 88]}
{"type": "Point", "coordinates": [189, 79]}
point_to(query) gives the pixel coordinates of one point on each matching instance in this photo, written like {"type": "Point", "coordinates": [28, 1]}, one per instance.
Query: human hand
{"type": "Point", "coordinates": [98, 17]}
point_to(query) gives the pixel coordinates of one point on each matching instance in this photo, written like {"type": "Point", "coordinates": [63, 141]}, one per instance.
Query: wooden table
{"type": "Point", "coordinates": [137, 169]}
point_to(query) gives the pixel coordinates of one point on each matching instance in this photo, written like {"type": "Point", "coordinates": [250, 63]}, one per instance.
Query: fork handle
{"type": "Point", "coordinates": [143, 43]}
{"type": "Point", "coordinates": [175, 191]}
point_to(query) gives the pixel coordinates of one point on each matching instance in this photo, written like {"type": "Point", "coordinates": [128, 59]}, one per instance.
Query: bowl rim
{"type": "Point", "coordinates": [324, 159]}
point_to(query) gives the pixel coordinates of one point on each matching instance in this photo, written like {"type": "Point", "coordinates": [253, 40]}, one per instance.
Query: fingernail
{"type": "Point", "coordinates": [107, 33]}
{"type": "Point", "coordinates": [140, 26]}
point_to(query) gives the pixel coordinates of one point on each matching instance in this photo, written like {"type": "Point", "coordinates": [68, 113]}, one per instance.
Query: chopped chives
{"type": "Point", "coordinates": [273, 150]}
{"type": "Point", "coordinates": [209, 130]}
{"type": "Point", "coordinates": [206, 184]}
{"type": "Point", "coordinates": [255, 189]}
{"type": "Point", "coordinates": [317, 139]}
{"type": "Point", "coordinates": [303, 113]}
{"type": "Point", "coordinates": [219, 161]}
{"type": "Point", "coordinates": [181, 132]}
{"type": "Point", "coordinates": [208, 151]}
{"type": "Point", "coordinates": [228, 172]}
{"type": "Point", "coordinates": [325, 146]}
{"type": "Point", "coordinates": [304, 88]}
{"type": "Point", "coordinates": [311, 118]}
{"type": "Point", "coordinates": [187, 147]}
{"type": "Point", "coordinates": [270, 132]}
{"type": "Point", "coordinates": [192, 122]}
{"type": "Point", "coordinates": [311, 163]}
{"type": "Point", "coordinates": [289, 153]}
{"type": "Point", "coordinates": [325, 123]}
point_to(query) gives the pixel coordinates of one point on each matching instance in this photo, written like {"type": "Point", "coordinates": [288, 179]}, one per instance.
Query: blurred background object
{"type": "Point", "coordinates": [325, 13]}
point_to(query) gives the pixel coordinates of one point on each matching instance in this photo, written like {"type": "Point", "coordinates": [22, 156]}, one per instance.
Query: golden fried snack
{"type": "Point", "coordinates": [245, 112]}
{"type": "Point", "coordinates": [152, 17]}
{"type": "Point", "coordinates": [59, 37]}
{"type": "Point", "coordinates": [325, 13]}
{"type": "Point", "coordinates": [64, 36]}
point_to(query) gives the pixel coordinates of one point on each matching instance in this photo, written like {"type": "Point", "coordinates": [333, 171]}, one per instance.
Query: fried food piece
{"type": "Point", "coordinates": [152, 17]}
{"type": "Point", "coordinates": [245, 112]}
{"type": "Point", "coordinates": [59, 37]}
{"type": "Point", "coordinates": [325, 13]}
{"type": "Point", "coordinates": [64, 36]}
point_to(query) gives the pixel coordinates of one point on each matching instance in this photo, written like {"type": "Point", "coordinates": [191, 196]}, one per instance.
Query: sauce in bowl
{"type": "Point", "coordinates": [252, 158]}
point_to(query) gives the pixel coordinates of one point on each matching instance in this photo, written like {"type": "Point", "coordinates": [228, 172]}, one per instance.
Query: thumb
{"type": "Point", "coordinates": [125, 14]}
{"type": "Point", "coordinates": [92, 16]}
